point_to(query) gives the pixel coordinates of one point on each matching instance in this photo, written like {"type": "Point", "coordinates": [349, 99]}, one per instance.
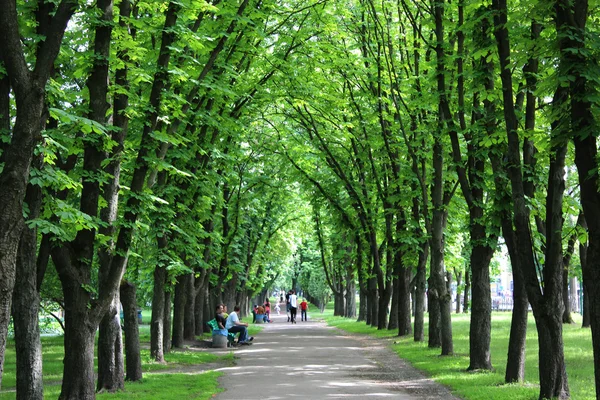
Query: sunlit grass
{"type": "Point", "coordinates": [155, 385]}
{"type": "Point", "coordinates": [451, 371]}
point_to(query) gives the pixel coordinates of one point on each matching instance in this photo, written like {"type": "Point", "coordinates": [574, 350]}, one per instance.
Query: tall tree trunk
{"type": "Point", "coordinates": [157, 327]}
{"type": "Point", "coordinates": [481, 308]}
{"type": "Point", "coordinates": [585, 312]}
{"type": "Point", "coordinates": [466, 294]}
{"type": "Point", "coordinates": [420, 292]}
{"type": "Point", "coordinates": [26, 305]}
{"type": "Point", "coordinates": [178, 312]}
{"type": "Point", "coordinates": [79, 338]}
{"type": "Point", "coordinates": [199, 312]}
{"type": "Point", "coordinates": [373, 302]}
{"type": "Point", "coordinates": [393, 321]}
{"type": "Point", "coordinates": [435, 321]}
{"type": "Point", "coordinates": [189, 323]}
{"type": "Point", "coordinates": [29, 94]}
{"type": "Point", "coordinates": [350, 295]}
{"type": "Point", "coordinates": [167, 322]}
{"type": "Point", "coordinates": [547, 306]}
{"type": "Point", "coordinates": [111, 375]}
{"type": "Point", "coordinates": [458, 292]}
{"type": "Point", "coordinates": [133, 366]}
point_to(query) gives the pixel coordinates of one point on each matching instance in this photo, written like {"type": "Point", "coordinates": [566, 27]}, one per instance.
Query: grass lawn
{"type": "Point", "coordinates": [451, 371]}
{"type": "Point", "coordinates": [161, 385]}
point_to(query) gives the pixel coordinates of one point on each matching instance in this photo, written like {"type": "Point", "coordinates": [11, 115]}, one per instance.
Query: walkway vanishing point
{"type": "Point", "coordinates": [312, 361]}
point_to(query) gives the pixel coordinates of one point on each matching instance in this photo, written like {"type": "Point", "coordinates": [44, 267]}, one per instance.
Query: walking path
{"type": "Point", "coordinates": [310, 360]}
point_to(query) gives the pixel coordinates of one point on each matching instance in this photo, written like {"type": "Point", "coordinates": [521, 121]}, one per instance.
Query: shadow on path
{"type": "Point", "coordinates": [310, 360]}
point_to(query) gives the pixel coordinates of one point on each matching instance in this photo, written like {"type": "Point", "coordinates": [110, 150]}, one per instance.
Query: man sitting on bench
{"type": "Point", "coordinates": [233, 325]}
{"type": "Point", "coordinates": [221, 321]}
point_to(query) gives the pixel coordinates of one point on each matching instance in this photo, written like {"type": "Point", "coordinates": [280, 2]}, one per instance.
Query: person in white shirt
{"type": "Point", "coordinates": [233, 325]}
{"type": "Point", "coordinates": [293, 306]}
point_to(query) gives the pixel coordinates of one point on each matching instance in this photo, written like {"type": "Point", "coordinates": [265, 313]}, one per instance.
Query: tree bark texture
{"type": "Point", "coordinates": [29, 94]}
{"type": "Point", "coordinates": [157, 329]}
{"type": "Point", "coordinates": [111, 374]}
{"type": "Point", "coordinates": [435, 319]}
{"type": "Point", "coordinates": [420, 293]}
{"type": "Point", "coordinates": [167, 343]}
{"type": "Point", "coordinates": [350, 295]}
{"type": "Point", "coordinates": [178, 313]}
{"type": "Point", "coordinates": [26, 304]}
{"type": "Point", "coordinates": [189, 324]}
{"type": "Point", "coordinates": [79, 345]}
{"type": "Point", "coordinates": [133, 366]}
{"type": "Point", "coordinates": [480, 328]}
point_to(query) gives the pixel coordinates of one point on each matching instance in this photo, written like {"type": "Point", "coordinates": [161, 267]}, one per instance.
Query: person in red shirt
{"type": "Point", "coordinates": [303, 309]}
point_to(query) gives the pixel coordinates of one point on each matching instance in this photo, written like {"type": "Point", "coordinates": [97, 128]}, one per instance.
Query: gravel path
{"type": "Point", "coordinates": [310, 360]}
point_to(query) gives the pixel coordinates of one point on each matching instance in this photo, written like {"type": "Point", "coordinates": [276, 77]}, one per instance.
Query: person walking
{"type": "Point", "coordinates": [287, 304]}
{"type": "Point", "coordinates": [234, 325]}
{"type": "Point", "coordinates": [303, 310]}
{"type": "Point", "coordinates": [293, 307]}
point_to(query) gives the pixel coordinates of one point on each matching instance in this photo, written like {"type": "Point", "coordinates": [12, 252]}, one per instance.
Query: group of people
{"type": "Point", "coordinates": [231, 322]}
{"type": "Point", "coordinates": [263, 312]}
{"type": "Point", "coordinates": [291, 303]}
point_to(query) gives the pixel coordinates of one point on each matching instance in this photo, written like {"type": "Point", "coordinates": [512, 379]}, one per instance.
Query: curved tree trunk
{"type": "Point", "coordinates": [133, 366]}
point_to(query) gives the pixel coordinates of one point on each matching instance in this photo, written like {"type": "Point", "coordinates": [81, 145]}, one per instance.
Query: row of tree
{"type": "Point", "coordinates": [409, 123]}
{"type": "Point", "coordinates": [128, 139]}
{"type": "Point", "coordinates": [157, 147]}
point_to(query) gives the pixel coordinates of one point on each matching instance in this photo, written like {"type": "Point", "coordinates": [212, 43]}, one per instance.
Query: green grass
{"type": "Point", "coordinates": [451, 371]}
{"type": "Point", "coordinates": [156, 385]}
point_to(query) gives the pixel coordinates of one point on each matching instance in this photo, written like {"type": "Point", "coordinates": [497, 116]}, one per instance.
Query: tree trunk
{"type": "Point", "coordinates": [566, 317]}
{"type": "Point", "coordinates": [481, 307]}
{"type": "Point", "coordinates": [26, 305]}
{"type": "Point", "coordinates": [79, 346]}
{"type": "Point", "coordinates": [404, 303]}
{"type": "Point", "coordinates": [133, 366]}
{"type": "Point", "coordinates": [189, 324]}
{"type": "Point", "coordinates": [178, 313]}
{"type": "Point", "coordinates": [350, 295]}
{"type": "Point", "coordinates": [199, 312]}
{"type": "Point", "coordinates": [338, 302]}
{"type": "Point", "coordinates": [26, 302]}
{"type": "Point", "coordinates": [167, 343]}
{"type": "Point", "coordinates": [111, 376]}
{"type": "Point", "coordinates": [553, 375]}
{"type": "Point", "coordinates": [362, 284]}
{"type": "Point", "coordinates": [515, 364]}
{"type": "Point", "coordinates": [420, 292]}
{"type": "Point", "coordinates": [435, 322]}
{"type": "Point", "coordinates": [585, 312]}
{"type": "Point", "coordinates": [458, 292]}
{"type": "Point", "coordinates": [466, 301]}
{"type": "Point", "coordinates": [29, 94]}
{"type": "Point", "coordinates": [157, 329]}
{"type": "Point", "coordinates": [372, 302]}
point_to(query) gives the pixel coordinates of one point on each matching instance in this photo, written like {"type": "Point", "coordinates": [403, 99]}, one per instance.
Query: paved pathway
{"type": "Point", "coordinates": [310, 360]}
